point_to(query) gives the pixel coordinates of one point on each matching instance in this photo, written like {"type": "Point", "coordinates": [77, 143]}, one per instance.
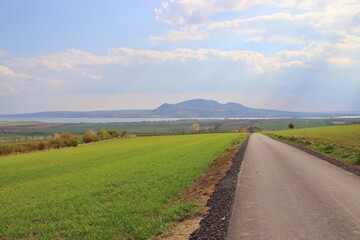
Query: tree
{"type": "Point", "coordinates": [103, 134]}
{"type": "Point", "coordinates": [70, 140]}
{"type": "Point", "coordinates": [217, 127]}
{"type": "Point", "coordinates": [113, 133]}
{"type": "Point", "coordinates": [291, 125]}
{"type": "Point", "coordinates": [254, 129]}
{"type": "Point", "coordinates": [195, 128]}
{"type": "Point", "coordinates": [89, 136]}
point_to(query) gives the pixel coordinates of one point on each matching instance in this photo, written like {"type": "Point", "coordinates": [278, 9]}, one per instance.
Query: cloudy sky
{"type": "Point", "coordinates": [300, 55]}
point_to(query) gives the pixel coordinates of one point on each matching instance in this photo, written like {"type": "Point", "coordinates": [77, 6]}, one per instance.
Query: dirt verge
{"type": "Point", "coordinates": [215, 223]}
{"type": "Point", "coordinates": [335, 162]}
{"type": "Point", "coordinates": [202, 191]}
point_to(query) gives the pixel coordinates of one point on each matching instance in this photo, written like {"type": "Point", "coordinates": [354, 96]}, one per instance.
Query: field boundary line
{"type": "Point", "coordinates": [333, 161]}
{"type": "Point", "coordinates": [215, 223]}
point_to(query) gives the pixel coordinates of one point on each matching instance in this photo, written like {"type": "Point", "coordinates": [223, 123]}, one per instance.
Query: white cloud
{"type": "Point", "coordinates": [255, 39]}
{"type": "Point", "coordinates": [194, 12]}
{"type": "Point", "coordinates": [96, 77]}
{"type": "Point", "coordinates": [10, 88]}
{"type": "Point", "coordinates": [179, 35]}
{"type": "Point", "coordinates": [81, 63]}
{"type": "Point", "coordinates": [281, 16]}
{"type": "Point", "coordinates": [348, 42]}
{"type": "Point", "coordinates": [56, 82]}
{"type": "Point", "coordinates": [3, 53]}
{"type": "Point", "coordinates": [286, 40]}
{"type": "Point", "coordinates": [77, 69]}
{"type": "Point", "coordinates": [259, 62]}
{"type": "Point", "coordinates": [317, 16]}
{"type": "Point", "coordinates": [340, 61]}
{"type": "Point", "coordinates": [296, 4]}
{"type": "Point", "coordinates": [64, 61]}
{"type": "Point", "coordinates": [249, 31]}
{"type": "Point", "coordinates": [5, 71]}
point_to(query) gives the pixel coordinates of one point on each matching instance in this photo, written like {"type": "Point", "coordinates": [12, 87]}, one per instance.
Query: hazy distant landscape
{"type": "Point", "coordinates": [167, 119]}
{"type": "Point", "coordinates": [197, 108]}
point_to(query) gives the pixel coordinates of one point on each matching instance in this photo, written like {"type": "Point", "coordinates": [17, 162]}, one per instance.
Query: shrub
{"type": "Point", "coordinates": [124, 134]}
{"type": "Point", "coordinates": [328, 149]}
{"type": "Point", "coordinates": [89, 136]}
{"type": "Point", "coordinates": [70, 140]}
{"type": "Point", "coordinates": [357, 161]}
{"type": "Point", "coordinates": [113, 133]}
{"type": "Point", "coordinates": [56, 143]}
{"type": "Point", "coordinates": [195, 128]}
{"type": "Point", "coordinates": [30, 146]}
{"type": "Point", "coordinates": [103, 134]}
{"type": "Point", "coordinates": [60, 141]}
{"type": "Point", "coordinates": [41, 145]}
{"type": "Point", "coordinates": [6, 149]}
{"type": "Point", "coordinates": [293, 139]}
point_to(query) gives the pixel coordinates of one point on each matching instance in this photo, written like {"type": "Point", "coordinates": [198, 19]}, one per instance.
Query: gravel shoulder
{"type": "Point", "coordinates": [215, 223]}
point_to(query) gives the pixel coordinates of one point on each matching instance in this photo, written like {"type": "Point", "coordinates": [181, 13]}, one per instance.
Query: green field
{"type": "Point", "coordinates": [280, 124]}
{"type": "Point", "coordinates": [15, 123]}
{"type": "Point", "coordinates": [157, 127]}
{"type": "Point", "coordinates": [28, 129]}
{"type": "Point", "coordinates": [13, 139]}
{"type": "Point", "coordinates": [120, 189]}
{"type": "Point", "coordinates": [339, 142]}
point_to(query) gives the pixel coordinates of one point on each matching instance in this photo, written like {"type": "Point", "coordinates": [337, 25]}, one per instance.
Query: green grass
{"type": "Point", "coordinates": [299, 123]}
{"type": "Point", "coordinates": [159, 127]}
{"type": "Point", "coordinates": [339, 142]}
{"type": "Point", "coordinates": [19, 138]}
{"type": "Point", "coordinates": [121, 189]}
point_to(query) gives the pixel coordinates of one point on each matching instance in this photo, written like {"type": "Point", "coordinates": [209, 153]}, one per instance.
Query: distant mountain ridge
{"type": "Point", "coordinates": [210, 108]}
{"type": "Point", "coordinates": [195, 108]}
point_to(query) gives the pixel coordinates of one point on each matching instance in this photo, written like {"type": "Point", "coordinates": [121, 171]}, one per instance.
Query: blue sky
{"type": "Point", "coordinates": [87, 55]}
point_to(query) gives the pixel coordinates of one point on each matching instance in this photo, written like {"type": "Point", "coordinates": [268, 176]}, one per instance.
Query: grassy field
{"type": "Point", "coordinates": [280, 124]}
{"type": "Point", "coordinates": [339, 142]}
{"type": "Point", "coordinates": [19, 138]}
{"type": "Point", "coordinates": [121, 189]}
{"type": "Point", "coordinates": [24, 129]}
{"type": "Point", "coordinates": [14, 123]}
{"type": "Point", "coordinates": [158, 127]}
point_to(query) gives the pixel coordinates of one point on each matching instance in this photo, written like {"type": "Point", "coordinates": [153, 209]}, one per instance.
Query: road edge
{"type": "Point", "coordinates": [333, 161]}
{"type": "Point", "coordinates": [215, 224]}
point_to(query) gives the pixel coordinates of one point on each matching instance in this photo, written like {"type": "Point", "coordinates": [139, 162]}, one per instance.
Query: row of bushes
{"type": "Point", "coordinates": [60, 141]}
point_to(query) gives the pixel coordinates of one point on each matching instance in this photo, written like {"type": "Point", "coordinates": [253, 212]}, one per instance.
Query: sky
{"type": "Point", "coordinates": [298, 55]}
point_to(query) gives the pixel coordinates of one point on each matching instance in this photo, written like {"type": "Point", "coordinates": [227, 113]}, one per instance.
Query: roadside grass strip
{"type": "Point", "coordinates": [338, 142]}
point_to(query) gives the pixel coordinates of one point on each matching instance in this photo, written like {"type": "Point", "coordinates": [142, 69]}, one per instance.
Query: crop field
{"type": "Point", "coordinates": [146, 127]}
{"type": "Point", "coordinates": [339, 142]}
{"type": "Point", "coordinates": [280, 124]}
{"type": "Point", "coordinates": [23, 129]}
{"type": "Point", "coordinates": [15, 123]}
{"type": "Point", "coordinates": [119, 189]}
{"type": "Point", "coordinates": [19, 138]}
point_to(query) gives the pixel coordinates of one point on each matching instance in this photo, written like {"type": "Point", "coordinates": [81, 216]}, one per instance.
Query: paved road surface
{"type": "Point", "coordinates": [285, 193]}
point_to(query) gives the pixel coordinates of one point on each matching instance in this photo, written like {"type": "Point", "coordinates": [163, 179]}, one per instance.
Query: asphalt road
{"type": "Point", "coordinates": [285, 193]}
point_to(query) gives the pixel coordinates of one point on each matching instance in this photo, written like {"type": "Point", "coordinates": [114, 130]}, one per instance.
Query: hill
{"type": "Point", "coordinates": [196, 108]}
{"type": "Point", "coordinates": [210, 108]}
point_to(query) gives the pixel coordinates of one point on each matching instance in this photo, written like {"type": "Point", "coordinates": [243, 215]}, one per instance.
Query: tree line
{"type": "Point", "coordinates": [61, 140]}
